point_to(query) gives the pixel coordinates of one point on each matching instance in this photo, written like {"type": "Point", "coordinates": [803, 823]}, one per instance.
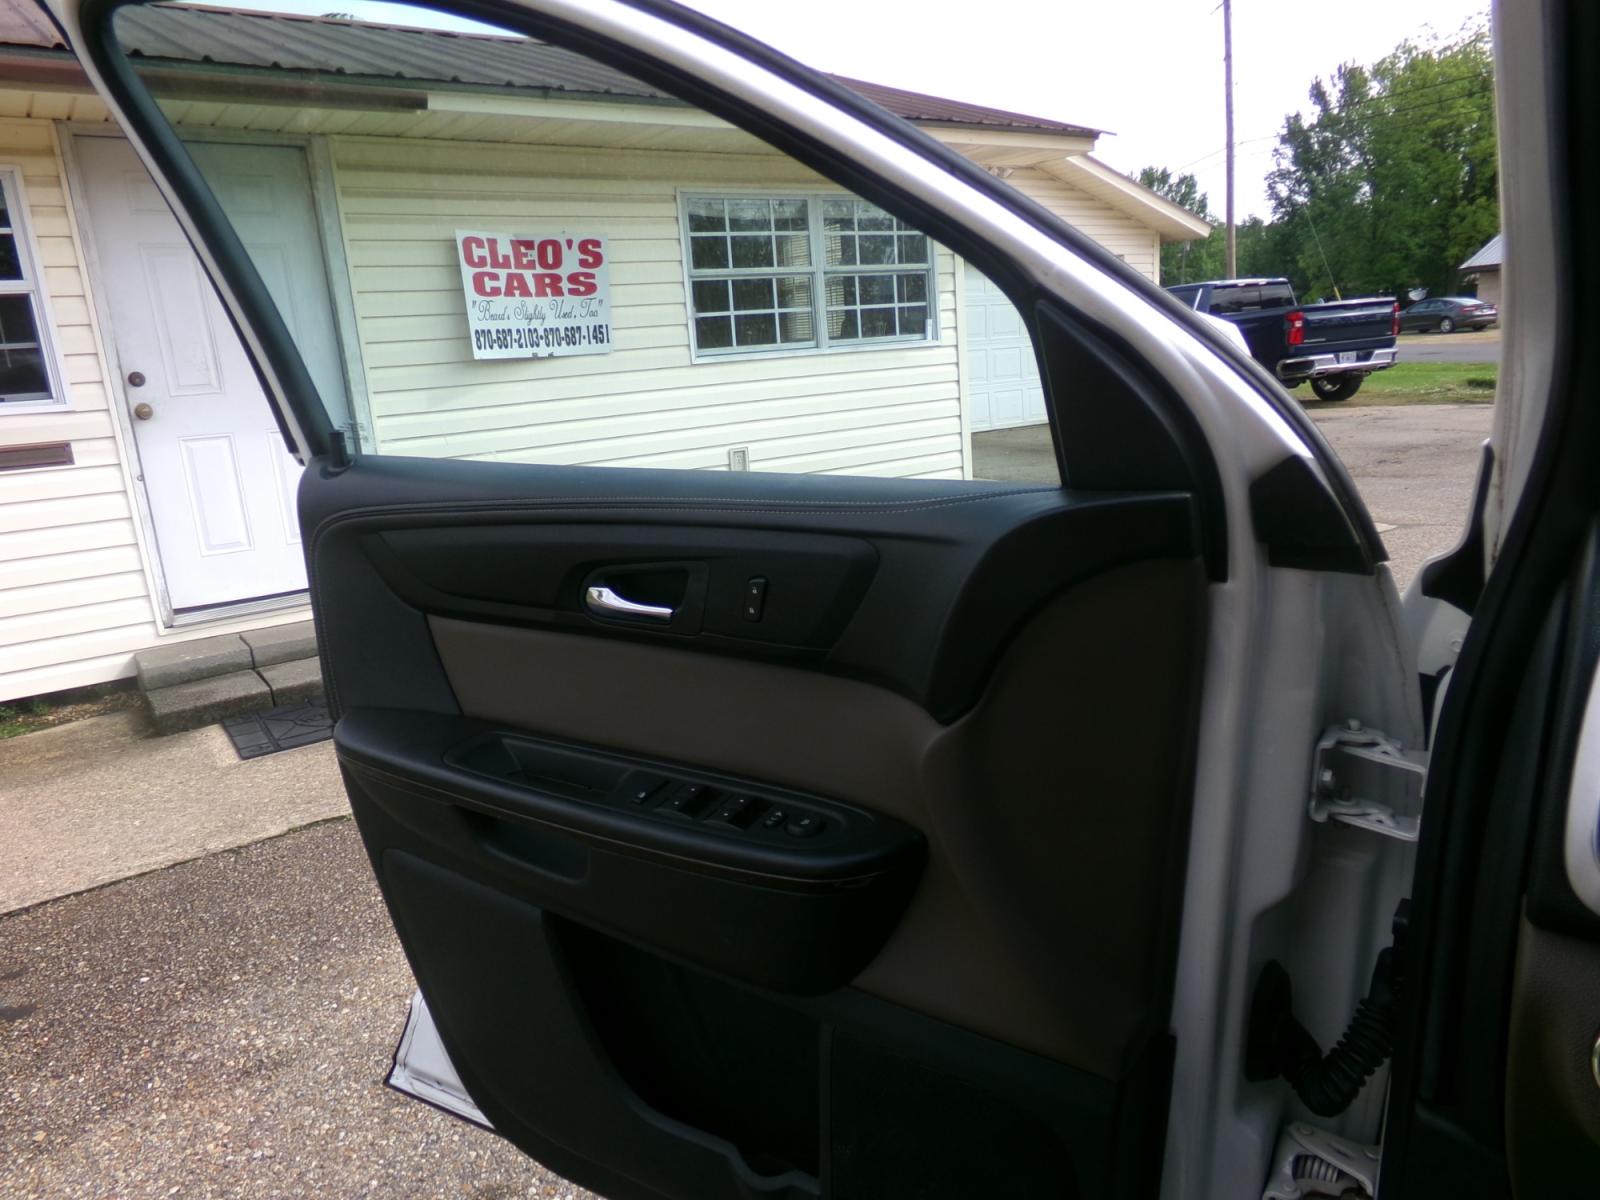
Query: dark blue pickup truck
{"type": "Point", "coordinates": [1334, 346]}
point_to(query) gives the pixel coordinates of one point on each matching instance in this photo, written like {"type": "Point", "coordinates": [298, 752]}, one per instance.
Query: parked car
{"type": "Point", "coordinates": [1332, 346]}
{"type": "Point", "coordinates": [1446, 314]}
{"type": "Point", "coordinates": [793, 833]}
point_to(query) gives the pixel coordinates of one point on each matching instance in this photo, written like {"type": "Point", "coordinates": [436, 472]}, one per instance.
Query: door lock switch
{"type": "Point", "coordinates": [755, 598]}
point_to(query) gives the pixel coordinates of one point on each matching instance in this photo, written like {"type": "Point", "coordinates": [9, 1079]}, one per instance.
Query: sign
{"type": "Point", "coordinates": [531, 297]}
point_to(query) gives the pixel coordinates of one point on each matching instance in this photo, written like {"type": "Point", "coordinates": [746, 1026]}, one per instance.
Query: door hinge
{"type": "Point", "coordinates": [1365, 778]}
{"type": "Point", "coordinates": [1312, 1162]}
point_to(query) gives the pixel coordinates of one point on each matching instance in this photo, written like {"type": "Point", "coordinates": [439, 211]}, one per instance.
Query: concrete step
{"type": "Point", "coordinates": [197, 683]}
{"type": "Point", "coordinates": [203, 658]}
{"type": "Point", "coordinates": [181, 706]}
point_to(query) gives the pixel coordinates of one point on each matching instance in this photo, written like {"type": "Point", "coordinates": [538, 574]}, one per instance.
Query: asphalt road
{"type": "Point", "coordinates": [221, 1028]}
{"type": "Point", "coordinates": [1473, 347]}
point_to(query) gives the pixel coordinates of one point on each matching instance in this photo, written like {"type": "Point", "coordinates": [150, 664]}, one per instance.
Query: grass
{"type": "Point", "coordinates": [41, 712]}
{"type": "Point", "coordinates": [1423, 383]}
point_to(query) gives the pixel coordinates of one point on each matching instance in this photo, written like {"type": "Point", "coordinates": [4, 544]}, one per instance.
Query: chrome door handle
{"type": "Point", "coordinates": [604, 602]}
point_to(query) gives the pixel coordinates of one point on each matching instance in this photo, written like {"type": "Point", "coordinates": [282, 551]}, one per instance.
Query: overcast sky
{"type": "Point", "coordinates": [1148, 72]}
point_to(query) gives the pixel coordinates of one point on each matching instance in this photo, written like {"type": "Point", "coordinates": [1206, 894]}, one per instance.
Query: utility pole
{"type": "Point", "coordinates": [1227, 84]}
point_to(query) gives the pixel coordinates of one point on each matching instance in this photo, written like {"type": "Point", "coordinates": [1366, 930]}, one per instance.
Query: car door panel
{"type": "Point", "coordinates": [985, 688]}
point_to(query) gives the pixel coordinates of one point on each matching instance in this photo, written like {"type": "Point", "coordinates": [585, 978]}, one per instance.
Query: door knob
{"type": "Point", "coordinates": [143, 411]}
{"type": "Point", "coordinates": [135, 378]}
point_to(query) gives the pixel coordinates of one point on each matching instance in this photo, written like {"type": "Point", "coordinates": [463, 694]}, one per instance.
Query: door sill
{"type": "Point", "coordinates": [213, 613]}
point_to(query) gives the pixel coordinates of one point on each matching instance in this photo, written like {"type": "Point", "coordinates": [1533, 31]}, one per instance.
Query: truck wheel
{"type": "Point", "coordinates": [1336, 387]}
{"type": "Point", "coordinates": [1446, 325]}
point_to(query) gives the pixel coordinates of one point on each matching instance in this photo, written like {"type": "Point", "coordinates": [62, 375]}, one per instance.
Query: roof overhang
{"type": "Point", "coordinates": [1172, 221]}
{"type": "Point", "coordinates": [991, 147]}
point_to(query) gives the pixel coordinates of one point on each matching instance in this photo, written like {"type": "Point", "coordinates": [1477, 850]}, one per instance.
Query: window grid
{"type": "Point", "coordinates": [786, 273]}
{"type": "Point", "coordinates": [26, 373]}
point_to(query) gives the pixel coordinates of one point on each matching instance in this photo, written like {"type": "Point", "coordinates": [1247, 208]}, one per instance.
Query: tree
{"type": "Point", "coordinates": [1391, 182]}
{"type": "Point", "coordinates": [1185, 262]}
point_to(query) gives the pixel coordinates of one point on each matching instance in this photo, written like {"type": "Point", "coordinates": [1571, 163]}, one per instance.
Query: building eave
{"type": "Point", "coordinates": [1172, 221]}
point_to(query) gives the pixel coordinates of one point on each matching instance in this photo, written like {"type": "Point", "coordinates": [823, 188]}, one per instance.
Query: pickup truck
{"type": "Point", "coordinates": [1334, 346]}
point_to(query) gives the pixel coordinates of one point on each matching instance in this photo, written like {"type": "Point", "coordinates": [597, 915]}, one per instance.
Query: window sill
{"type": "Point", "coordinates": [33, 406]}
{"type": "Point", "coordinates": [696, 357]}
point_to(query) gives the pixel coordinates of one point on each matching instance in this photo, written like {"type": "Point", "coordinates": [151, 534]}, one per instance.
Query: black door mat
{"type": "Point", "coordinates": [281, 728]}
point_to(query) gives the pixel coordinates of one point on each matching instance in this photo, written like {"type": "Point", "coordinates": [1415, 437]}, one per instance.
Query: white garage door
{"type": "Point", "coordinates": [1002, 373]}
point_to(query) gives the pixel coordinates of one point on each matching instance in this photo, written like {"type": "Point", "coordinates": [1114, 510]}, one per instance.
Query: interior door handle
{"type": "Point", "coordinates": [604, 602]}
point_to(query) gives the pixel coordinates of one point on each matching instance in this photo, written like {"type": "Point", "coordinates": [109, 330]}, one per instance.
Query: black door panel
{"type": "Point", "coordinates": [976, 715]}
{"type": "Point", "coordinates": [915, 586]}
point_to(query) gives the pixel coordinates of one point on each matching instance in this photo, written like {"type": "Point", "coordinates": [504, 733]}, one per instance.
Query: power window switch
{"type": "Point", "coordinates": [737, 811]}
{"type": "Point", "coordinates": [687, 799]}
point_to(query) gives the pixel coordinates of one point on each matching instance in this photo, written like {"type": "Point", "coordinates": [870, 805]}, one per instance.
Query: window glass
{"type": "Point", "coordinates": [1276, 295]}
{"type": "Point", "coordinates": [25, 375]}
{"type": "Point", "coordinates": [1235, 300]}
{"type": "Point", "coordinates": [545, 260]}
{"type": "Point", "coordinates": [755, 245]}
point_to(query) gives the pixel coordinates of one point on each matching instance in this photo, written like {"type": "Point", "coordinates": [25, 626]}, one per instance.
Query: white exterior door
{"type": "Point", "coordinates": [1003, 386]}
{"type": "Point", "coordinates": [220, 484]}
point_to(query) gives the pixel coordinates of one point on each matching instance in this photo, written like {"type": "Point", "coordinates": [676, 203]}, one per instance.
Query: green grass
{"type": "Point", "coordinates": [1424, 383]}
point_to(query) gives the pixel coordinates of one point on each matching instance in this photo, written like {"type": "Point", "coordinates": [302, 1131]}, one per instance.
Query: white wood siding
{"type": "Point", "coordinates": [72, 580]}
{"type": "Point", "coordinates": [880, 411]}
{"type": "Point", "coordinates": [1117, 232]}
{"type": "Point", "coordinates": [75, 597]}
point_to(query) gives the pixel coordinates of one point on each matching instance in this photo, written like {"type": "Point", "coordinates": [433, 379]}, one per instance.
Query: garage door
{"type": "Point", "coordinates": [1002, 373]}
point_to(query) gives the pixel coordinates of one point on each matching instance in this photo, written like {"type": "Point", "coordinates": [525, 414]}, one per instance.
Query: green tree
{"type": "Point", "coordinates": [1186, 262]}
{"type": "Point", "coordinates": [1390, 182]}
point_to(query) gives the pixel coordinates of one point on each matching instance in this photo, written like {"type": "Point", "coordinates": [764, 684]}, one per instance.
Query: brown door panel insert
{"type": "Point", "coordinates": [1055, 809]}
{"type": "Point", "coordinates": [1552, 1092]}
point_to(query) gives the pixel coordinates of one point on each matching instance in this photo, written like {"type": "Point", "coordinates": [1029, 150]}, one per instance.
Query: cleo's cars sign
{"type": "Point", "coordinates": [529, 297]}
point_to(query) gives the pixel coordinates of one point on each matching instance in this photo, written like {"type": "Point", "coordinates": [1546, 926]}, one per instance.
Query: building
{"type": "Point", "coordinates": [1483, 268]}
{"type": "Point", "coordinates": [144, 495]}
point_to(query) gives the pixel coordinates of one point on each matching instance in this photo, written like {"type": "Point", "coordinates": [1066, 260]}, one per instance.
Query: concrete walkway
{"type": "Point", "coordinates": [96, 801]}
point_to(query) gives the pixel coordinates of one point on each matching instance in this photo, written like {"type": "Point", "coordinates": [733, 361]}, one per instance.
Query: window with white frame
{"type": "Point", "coordinates": [803, 272]}
{"type": "Point", "coordinates": [26, 377]}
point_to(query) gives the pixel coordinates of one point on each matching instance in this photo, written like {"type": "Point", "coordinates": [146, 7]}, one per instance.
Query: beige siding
{"type": "Point", "coordinates": [75, 602]}
{"type": "Point", "coordinates": [883, 411]}
{"type": "Point", "coordinates": [1117, 232]}
{"type": "Point", "coordinates": [72, 583]}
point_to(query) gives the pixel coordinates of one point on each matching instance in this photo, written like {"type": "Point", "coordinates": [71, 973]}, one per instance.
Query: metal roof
{"type": "Point", "coordinates": [192, 33]}
{"type": "Point", "coordinates": [23, 23]}
{"type": "Point", "coordinates": [1488, 256]}
{"type": "Point", "coordinates": [916, 106]}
